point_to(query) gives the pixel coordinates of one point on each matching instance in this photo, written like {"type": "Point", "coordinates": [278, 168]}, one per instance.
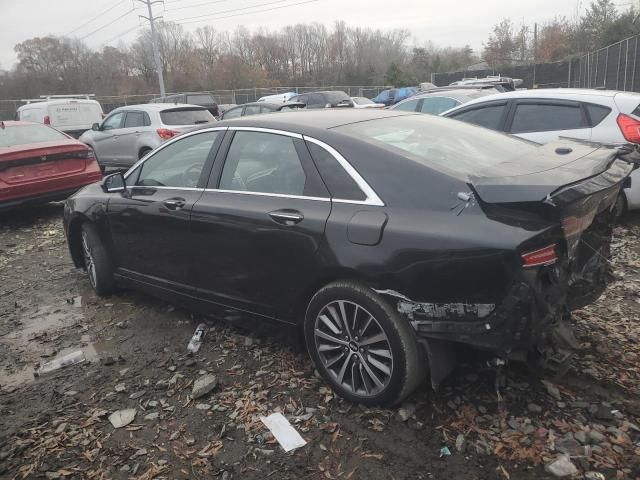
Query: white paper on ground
{"type": "Point", "coordinates": [287, 436]}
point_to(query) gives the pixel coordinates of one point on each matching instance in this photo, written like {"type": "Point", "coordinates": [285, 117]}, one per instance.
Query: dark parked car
{"type": "Point", "coordinates": [394, 95]}
{"type": "Point", "coordinates": [257, 108]}
{"type": "Point", "coordinates": [328, 99]}
{"type": "Point", "coordinates": [476, 238]}
{"type": "Point", "coordinates": [39, 164]}
{"type": "Point", "coordinates": [203, 99]}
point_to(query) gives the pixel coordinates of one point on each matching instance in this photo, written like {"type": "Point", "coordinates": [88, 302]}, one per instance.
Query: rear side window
{"type": "Point", "coordinates": [409, 106]}
{"type": "Point", "coordinates": [252, 109]}
{"type": "Point", "coordinates": [437, 105]}
{"type": "Point", "coordinates": [186, 116]}
{"type": "Point", "coordinates": [136, 119]}
{"type": "Point", "coordinates": [597, 113]}
{"type": "Point", "coordinates": [338, 181]}
{"type": "Point", "coordinates": [488, 117]}
{"type": "Point", "coordinates": [233, 113]}
{"type": "Point", "coordinates": [545, 117]}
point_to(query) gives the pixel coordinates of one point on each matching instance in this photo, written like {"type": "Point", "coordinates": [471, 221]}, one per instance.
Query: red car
{"type": "Point", "coordinates": [40, 164]}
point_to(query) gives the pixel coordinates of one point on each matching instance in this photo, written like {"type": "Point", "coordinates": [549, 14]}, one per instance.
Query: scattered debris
{"type": "Point", "coordinates": [196, 340]}
{"type": "Point", "coordinates": [285, 434]}
{"type": "Point", "coordinates": [122, 418]}
{"type": "Point", "coordinates": [72, 358]}
{"type": "Point", "coordinates": [445, 452]}
{"type": "Point", "coordinates": [561, 467]}
{"type": "Point", "coordinates": [203, 385]}
{"type": "Point", "coordinates": [406, 411]}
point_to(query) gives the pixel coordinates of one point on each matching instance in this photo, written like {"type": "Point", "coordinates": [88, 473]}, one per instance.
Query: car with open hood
{"type": "Point", "coordinates": [391, 240]}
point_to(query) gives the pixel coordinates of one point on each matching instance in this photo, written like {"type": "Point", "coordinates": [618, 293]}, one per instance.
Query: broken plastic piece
{"type": "Point", "coordinates": [445, 452]}
{"type": "Point", "coordinates": [57, 363]}
{"type": "Point", "coordinates": [196, 341]}
{"type": "Point", "coordinates": [287, 436]}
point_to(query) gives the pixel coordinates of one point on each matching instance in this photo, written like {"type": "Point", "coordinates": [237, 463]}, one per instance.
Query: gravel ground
{"type": "Point", "coordinates": [57, 425]}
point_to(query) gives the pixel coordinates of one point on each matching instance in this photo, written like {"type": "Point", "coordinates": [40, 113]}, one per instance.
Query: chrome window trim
{"type": "Point", "coordinates": [265, 194]}
{"type": "Point", "coordinates": [166, 144]}
{"type": "Point", "coordinates": [162, 187]}
{"type": "Point", "coordinates": [266, 130]}
{"type": "Point", "coordinates": [372, 197]}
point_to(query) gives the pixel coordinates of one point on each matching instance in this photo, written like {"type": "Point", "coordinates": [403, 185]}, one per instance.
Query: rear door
{"type": "Point", "coordinates": [149, 221]}
{"type": "Point", "coordinates": [543, 121]}
{"type": "Point", "coordinates": [104, 138]}
{"type": "Point", "coordinates": [259, 225]}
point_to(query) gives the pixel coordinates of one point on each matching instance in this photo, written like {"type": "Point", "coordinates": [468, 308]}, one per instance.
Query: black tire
{"type": "Point", "coordinates": [143, 152]}
{"type": "Point", "coordinates": [97, 262]}
{"type": "Point", "coordinates": [404, 370]}
{"type": "Point", "coordinates": [620, 206]}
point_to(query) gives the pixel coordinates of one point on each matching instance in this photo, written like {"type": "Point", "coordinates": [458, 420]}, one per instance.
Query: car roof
{"type": "Point", "coordinates": [465, 94]}
{"type": "Point", "coordinates": [309, 122]}
{"type": "Point", "coordinates": [260, 104]}
{"type": "Point", "coordinates": [17, 123]}
{"type": "Point", "coordinates": [157, 106]}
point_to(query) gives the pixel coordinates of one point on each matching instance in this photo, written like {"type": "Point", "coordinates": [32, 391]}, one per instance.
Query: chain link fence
{"type": "Point", "coordinates": [236, 96]}
{"type": "Point", "coordinates": [614, 67]}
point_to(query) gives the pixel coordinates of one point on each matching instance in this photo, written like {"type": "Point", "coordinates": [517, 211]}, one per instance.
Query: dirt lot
{"type": "Point", "coordinates": [56, 425]}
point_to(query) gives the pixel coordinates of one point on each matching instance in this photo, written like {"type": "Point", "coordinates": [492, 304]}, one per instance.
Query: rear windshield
{"type": "Point", "coordinates": [201, 99]}
{"type": "Point", "coordinates": [335, 97]}
{"type": "Point", "coordinates": [25, 134]}
{"type": "Point", "coordinates": [450, 146]}
{"type": "Point", "coordinates": [186, 116]}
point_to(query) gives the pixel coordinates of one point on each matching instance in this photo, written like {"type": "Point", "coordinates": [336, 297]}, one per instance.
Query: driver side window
{"type": "Point", "coordinates": [113, 121]}
{"type": "Point", "coordinates": [178, 164]}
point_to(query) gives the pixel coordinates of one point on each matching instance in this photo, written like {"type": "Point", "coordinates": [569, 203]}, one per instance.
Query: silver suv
{"type": "Point", "coordinates": [130, 132]}
{"type": "Point", "coordinates": [546, 114]}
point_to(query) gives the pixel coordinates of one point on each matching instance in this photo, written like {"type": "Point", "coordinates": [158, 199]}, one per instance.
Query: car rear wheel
{"type": "Point", "coordinates": [96, 261]}
{"type": "Point", "coordinates": [620, 206]}
{"type": "Point", "coordinates": [361, 345]}
{"type": "Point", "coordinates": [143, 152]}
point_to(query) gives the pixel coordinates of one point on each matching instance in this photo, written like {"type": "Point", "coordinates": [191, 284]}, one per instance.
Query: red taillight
{"type": "Point", "coordinates": [165, 133]}
{"type": "Point", "coordinates": [90, 156]}
{"type": "Point", "coordinates": [544, 256]}
{"type": "Point", "coordinates": [47, 120]}
{"type": "Point", "coordinates": [630, 128]}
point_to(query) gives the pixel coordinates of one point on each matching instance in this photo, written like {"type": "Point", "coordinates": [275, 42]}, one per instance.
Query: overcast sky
{"type": "Point", "coordinates": [455, 22]}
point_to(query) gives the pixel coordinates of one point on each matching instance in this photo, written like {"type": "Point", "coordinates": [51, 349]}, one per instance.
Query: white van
{"type": "Point", "coordinates": [279, 98]}
{"type": "Point", "coordinates": [70, 114]}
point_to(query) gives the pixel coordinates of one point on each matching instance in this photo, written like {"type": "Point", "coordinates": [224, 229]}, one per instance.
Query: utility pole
{"type": "Point", "coordinates": [535, 51]}
{"type": "Point", "coordinates": [154, 42]}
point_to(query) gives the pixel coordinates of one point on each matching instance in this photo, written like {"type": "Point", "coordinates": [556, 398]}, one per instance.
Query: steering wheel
{"type": "Point", "coordinates": [191, 175]}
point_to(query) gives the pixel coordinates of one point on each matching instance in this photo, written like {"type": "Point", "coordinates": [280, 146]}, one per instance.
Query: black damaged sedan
{"type": "Point", "coordinates": [389, 239]}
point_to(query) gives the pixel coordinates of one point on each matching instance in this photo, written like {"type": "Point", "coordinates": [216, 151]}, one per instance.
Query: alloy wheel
{"type": "Point", "coordinates": [353, 348]}
{"type": "Point", "coordinates": [88, 260]}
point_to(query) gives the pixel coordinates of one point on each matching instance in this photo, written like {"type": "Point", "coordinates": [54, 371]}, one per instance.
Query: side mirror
{"type": "Point", "coordinates": [95, 127]}
{"type": "Point", "coordinates": [114, 183]}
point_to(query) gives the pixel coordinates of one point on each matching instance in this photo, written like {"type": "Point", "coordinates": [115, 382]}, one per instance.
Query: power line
{"type": "Point", "coordinates": [94, 18]}
{"type": "Point", "coordinates": [106, 25]}
{"type": "Point", "coordinates": [196, 5]}
{"type": "Point", "coordinates": [256, 11]}
{"type": "Point", "coordinates": [121, 34]}
{"type": "Point", "coordinates": [192, 19]}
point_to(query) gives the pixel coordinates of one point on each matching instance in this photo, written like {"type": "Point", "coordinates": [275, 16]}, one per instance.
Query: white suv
{"type": "Point", "coordinates": [546, 114]}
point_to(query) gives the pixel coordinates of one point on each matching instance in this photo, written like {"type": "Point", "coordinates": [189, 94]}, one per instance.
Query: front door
{"type": "Point", "coordinates": [149, 221]}
{"type": "Point", "coordinates": [126, 141]}
{"type": "Point", "coordinates": [258, 227]}
{"type": "Point", "coordinates": [104, 139]}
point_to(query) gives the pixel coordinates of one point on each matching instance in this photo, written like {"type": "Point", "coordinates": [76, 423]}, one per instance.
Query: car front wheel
{"type": "Point", "coordinates": [361, 345]}
{"type": "Point", "coordinates": [96, 261]}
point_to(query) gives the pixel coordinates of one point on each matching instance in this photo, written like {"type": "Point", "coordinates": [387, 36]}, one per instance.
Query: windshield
{"type": "Point", "coordinates": [25, 134]}
{"type": "Point", "coordinates": [201, 99]}
{"type": "Point", "coordinates": [453, 147]}
{"type": "Point", "coordinates": [337, 97]}
{"type": "Point", "coordinates": [186, 116]}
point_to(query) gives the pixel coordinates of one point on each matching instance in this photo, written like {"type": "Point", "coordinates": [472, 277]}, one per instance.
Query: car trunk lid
{"type": "Point", "coordinates": [44, 160]}
{"type": "Point", "coordinates": [568, 205]}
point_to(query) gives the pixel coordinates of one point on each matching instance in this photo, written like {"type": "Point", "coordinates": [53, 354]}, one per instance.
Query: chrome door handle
{"type": "Point", "coordinates": [286, 217]}
{"type": "Point", "coordinates": [174, 203]}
